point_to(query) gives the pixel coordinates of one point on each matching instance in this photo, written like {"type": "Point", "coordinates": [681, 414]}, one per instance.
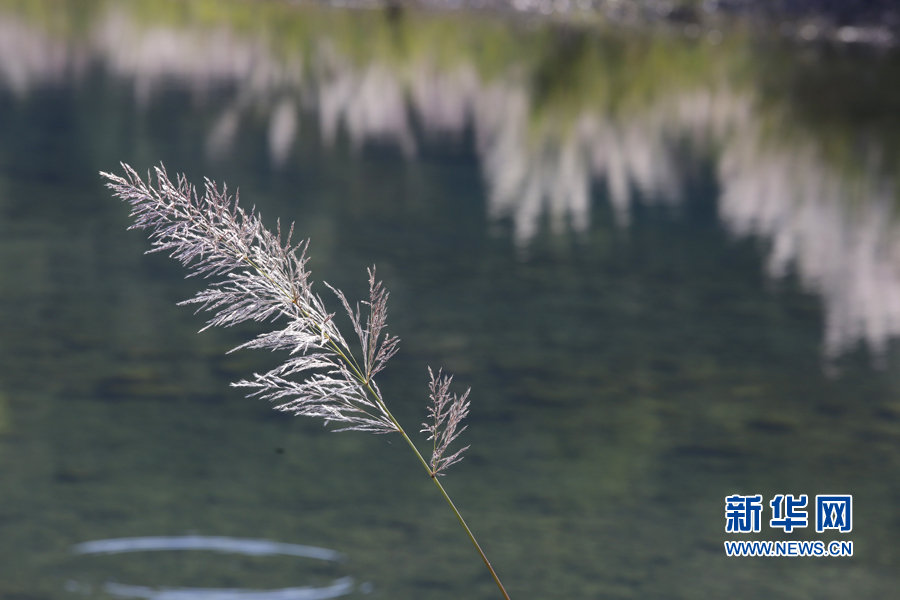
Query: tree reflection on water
{"type": "Point", "coordinates": [550, 124]}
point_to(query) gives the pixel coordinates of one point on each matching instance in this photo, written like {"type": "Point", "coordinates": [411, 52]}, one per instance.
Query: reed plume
{"type": "Point", "coordinates": [262, 276]}
{"type": "Point", "coordinates": [446, 412]}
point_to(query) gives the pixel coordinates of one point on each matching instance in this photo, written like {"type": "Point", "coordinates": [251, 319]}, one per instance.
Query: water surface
{"type": "Point", "coordinates": [667, 267]}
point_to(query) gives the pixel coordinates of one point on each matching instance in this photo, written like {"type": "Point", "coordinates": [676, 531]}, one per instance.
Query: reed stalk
{"type": "Point", "coordinates": [261, 278]}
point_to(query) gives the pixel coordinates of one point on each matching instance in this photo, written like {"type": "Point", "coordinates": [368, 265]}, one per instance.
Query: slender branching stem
{"type": "Point", "coordinates": [351, 362]}
{"type": "Point", "coordinates": [456, 512]}
{"type": "Point", "coordinates": [266, 279]}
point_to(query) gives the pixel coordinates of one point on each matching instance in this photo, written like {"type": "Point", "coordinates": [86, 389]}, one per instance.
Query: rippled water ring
{"type": "Point", "coordinates": [339, 587]}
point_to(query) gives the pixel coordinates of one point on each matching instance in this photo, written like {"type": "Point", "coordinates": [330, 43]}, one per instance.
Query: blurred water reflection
{"type": "Point", "coordinates": [841, 235]}
{"type": "Point", "coordinates": [838, 231]}
{"type": "Point", "coordinates": [30, 56]}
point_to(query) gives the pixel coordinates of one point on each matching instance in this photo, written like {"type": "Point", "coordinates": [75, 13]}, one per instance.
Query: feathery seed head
{"type": "Point", "coordinates": [263, 278]}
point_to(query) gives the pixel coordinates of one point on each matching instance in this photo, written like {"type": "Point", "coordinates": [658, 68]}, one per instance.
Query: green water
{"type": "Point", "coordinates": [666, 267]}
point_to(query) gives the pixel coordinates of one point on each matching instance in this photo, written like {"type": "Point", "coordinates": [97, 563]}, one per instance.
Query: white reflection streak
{"type": "Point", "coordinates": [514, 179]}
{"type": "Point", "coordinates": [282, 130]}
{"type": "Point", "coordinates": [372, 105]}
{"type": "Point", "coordinates": [200, 542]}
{"type": "Point", "coordinates": [845, 249]}
{"type": "Point", "coordinates": [444, 101]}
{"type": "Point", "coordinates": [29, 57]}
{"type": "Point", "coordinates": [340, 587]}
{"type": "Point", "coordinates": [221, 137]}
{"type": "Point", "coordinates": [198, 58]}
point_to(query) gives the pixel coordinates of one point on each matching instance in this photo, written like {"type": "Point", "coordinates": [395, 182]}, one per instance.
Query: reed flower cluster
{"type": "Point", "coordinates": [259, 275]}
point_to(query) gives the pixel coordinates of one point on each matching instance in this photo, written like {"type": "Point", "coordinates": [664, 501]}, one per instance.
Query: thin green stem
{"type": "Point", "coordinates": [462, 521]}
